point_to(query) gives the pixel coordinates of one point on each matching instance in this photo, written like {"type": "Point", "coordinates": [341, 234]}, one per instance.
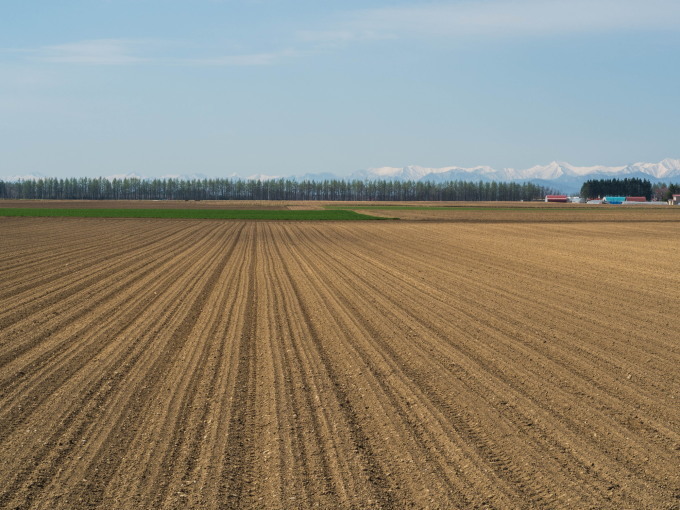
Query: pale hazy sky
{"type": "Point", "coordinates": [282, 87]}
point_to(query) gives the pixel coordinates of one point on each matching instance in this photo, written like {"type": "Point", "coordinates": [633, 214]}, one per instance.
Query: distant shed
{"type": "Point", "coordinates": [676, 200]}
{"type": "Point", "coordinates": [614, 200]}
{"type": "Point", "coordinates": [636, 199]}
{"type": "Point", "coordinates": [556, 198]}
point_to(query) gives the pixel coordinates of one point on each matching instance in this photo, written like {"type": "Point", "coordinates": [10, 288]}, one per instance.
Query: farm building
{"type": "Point", "coordinates": [614, 200]}
{"type": "Point", "coordinates": [675, 200]}
{"type": "Point", "coordinates": [556, 198]}
{"type": "Point", "coordinates": [636, 199]}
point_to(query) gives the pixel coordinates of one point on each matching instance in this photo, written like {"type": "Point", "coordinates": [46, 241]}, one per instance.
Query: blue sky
{"type": "Point", "coordinates": [281, 87]}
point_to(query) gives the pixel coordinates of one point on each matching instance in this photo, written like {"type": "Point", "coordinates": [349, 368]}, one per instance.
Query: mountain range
{"type": "Point", "coordinates": [558, 175]}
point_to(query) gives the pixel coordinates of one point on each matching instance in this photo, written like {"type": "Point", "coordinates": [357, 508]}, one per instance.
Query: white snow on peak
{"type": "Point", "coordinates": [553, 171]}
{"type": "Point", "coordinates": [120, 177]}
{"type": "Point", "coordinates": [184, 177]}
{"type": "Point", "coordinates": [666, 168]}
{"type": "Point", "coordinates": [24, 177]}
{"type": "Point", "coordinates": [385, 171]}
{"type": "Point", "coordinates": [262, 177]}
{"type": "Point", "coordinates": [671, 164]}
{"type": "Point", "coordinates": [557, 169]}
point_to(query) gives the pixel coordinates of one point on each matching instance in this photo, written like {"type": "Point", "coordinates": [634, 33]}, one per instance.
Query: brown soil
{"type": "Point", "coordinates": [515, 212]}
{"type": "Point", "coordinates": [215, 364]}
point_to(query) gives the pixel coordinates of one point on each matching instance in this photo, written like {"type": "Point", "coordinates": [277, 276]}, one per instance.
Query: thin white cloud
{"type": "Point", "coordinates": [118, 52]}
{"type": "Point", "coordinates": [93, 52]}
{"type": "Point", "coordinates": [446, 19]}
{"type": "Point", "coordinates": [340, 36]}
{"type": "Point", "coordinates": [254, 59]}
{"type": "Point", "coordinates": [503, 18]}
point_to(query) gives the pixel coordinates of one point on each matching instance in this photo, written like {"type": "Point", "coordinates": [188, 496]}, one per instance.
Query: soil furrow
{"type": "Point", "coordinates": [491, 361]}
{"type": "Point", "coordinates": [239, 452]}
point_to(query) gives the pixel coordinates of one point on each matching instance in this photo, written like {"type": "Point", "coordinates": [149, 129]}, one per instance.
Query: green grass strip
{"type": "Point", "coordinates": [213, 214]}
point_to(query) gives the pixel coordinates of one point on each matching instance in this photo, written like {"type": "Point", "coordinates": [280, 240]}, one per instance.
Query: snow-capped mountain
{"type": "Point", "coordinates": [25, 177]}
{"type": "Point", "coordinates": [120, 177]}
{"type": "Point", "coordinates": [185, 177]}
{"type": "Point", "coordinates": [556, 174]}
{"type": "Point", "coordinates": [320, 176]}
{"type": "Point", "coordinates": [262, 177]}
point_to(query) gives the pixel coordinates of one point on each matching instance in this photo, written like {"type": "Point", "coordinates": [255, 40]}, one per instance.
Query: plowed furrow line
{"type": "Point", "coordinates": [94, 400]}
{"type": "Point", "coordinates": [440, 459]}
{"type": "Point", "coordinates": [46, 314]}
{"type": "Point", "coordinates": [43, 298]}
{"type": "Point", "coordinates": [273, 456]}
{"type": "Point", "coordinates": [431, 327]}
{"type": "Point", "coordinates": [77, 245]}
{"type": "Point", "coordinates": [380, 480]}
{"type": "Point", "coordinates": [197, 481]}
{"type": "Point", "coordinates": [129, 364]}
{"type": "Point", "coordinates": [183, 370]}
{"type": "Point", "coordinates": [570, 306]}
{"type": "Point", "coordinates": [28, 238]}
{"type": "Point", "coordinates": [291, 416]}
{"type": "Point", "coordinates": [209, 364]}
{"type": "Point", "coordinates": [507, 323]}
{"type": "Point", "coordinates": [314, 408]}
{"type": "Point", "coordinates": [538, 272]}
{"type": "Point", "coordinates": [56, 265]}
{"type": "Point", "coordinates": [518, 362]}
{"type": "Point", "coordinates": [185, 422]}
{"type": "Point", "coordinates": [74, 284]}
{"type": "Point", "coordinates": [146, 286]}
{"type": "Point", "coordinates": [553, 352]}
{"type": "Point", "coordinates": [40, 248]}
{"type": "Point", "coordinates": [238, 455]}
{"type": "Point", "coordinates": [41, 378]}
{"type": "Point", "coordinates": [370, 291]}
{"type": "Point", "coordinates": [369, 481]}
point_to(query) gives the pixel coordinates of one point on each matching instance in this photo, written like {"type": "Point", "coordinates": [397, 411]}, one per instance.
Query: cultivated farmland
{"type": "Point", "coordinates": [508, 362]}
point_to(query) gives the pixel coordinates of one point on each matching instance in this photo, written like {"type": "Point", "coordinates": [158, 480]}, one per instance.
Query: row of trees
{"type": "Point", "coordinates": [629, 187]}
{"type": "Point", "coordinates": [279, 189]}
{"type": "Point", "coordinates": [661, 191]}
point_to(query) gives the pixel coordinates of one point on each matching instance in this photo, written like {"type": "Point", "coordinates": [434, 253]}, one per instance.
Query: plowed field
{"type": "Point", "coordinates": [227, 364]}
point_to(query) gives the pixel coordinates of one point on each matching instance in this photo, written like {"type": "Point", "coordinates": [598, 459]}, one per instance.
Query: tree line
{"type": "Point", "coordinates": [86, 188]}
{"type": "Point", "coordinates": [661, 191]}
{"type": "Point", "coordinates": [628, 187]}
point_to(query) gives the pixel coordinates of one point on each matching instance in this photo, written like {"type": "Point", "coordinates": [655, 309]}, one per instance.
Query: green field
{"type": "Point", "coordinates": [213, 214]}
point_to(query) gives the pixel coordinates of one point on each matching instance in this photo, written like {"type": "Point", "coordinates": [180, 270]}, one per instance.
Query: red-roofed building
{"type": "Point", "coordinates": [636, 199]}
{"type": "Point", "coordinates": [556, 198]}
